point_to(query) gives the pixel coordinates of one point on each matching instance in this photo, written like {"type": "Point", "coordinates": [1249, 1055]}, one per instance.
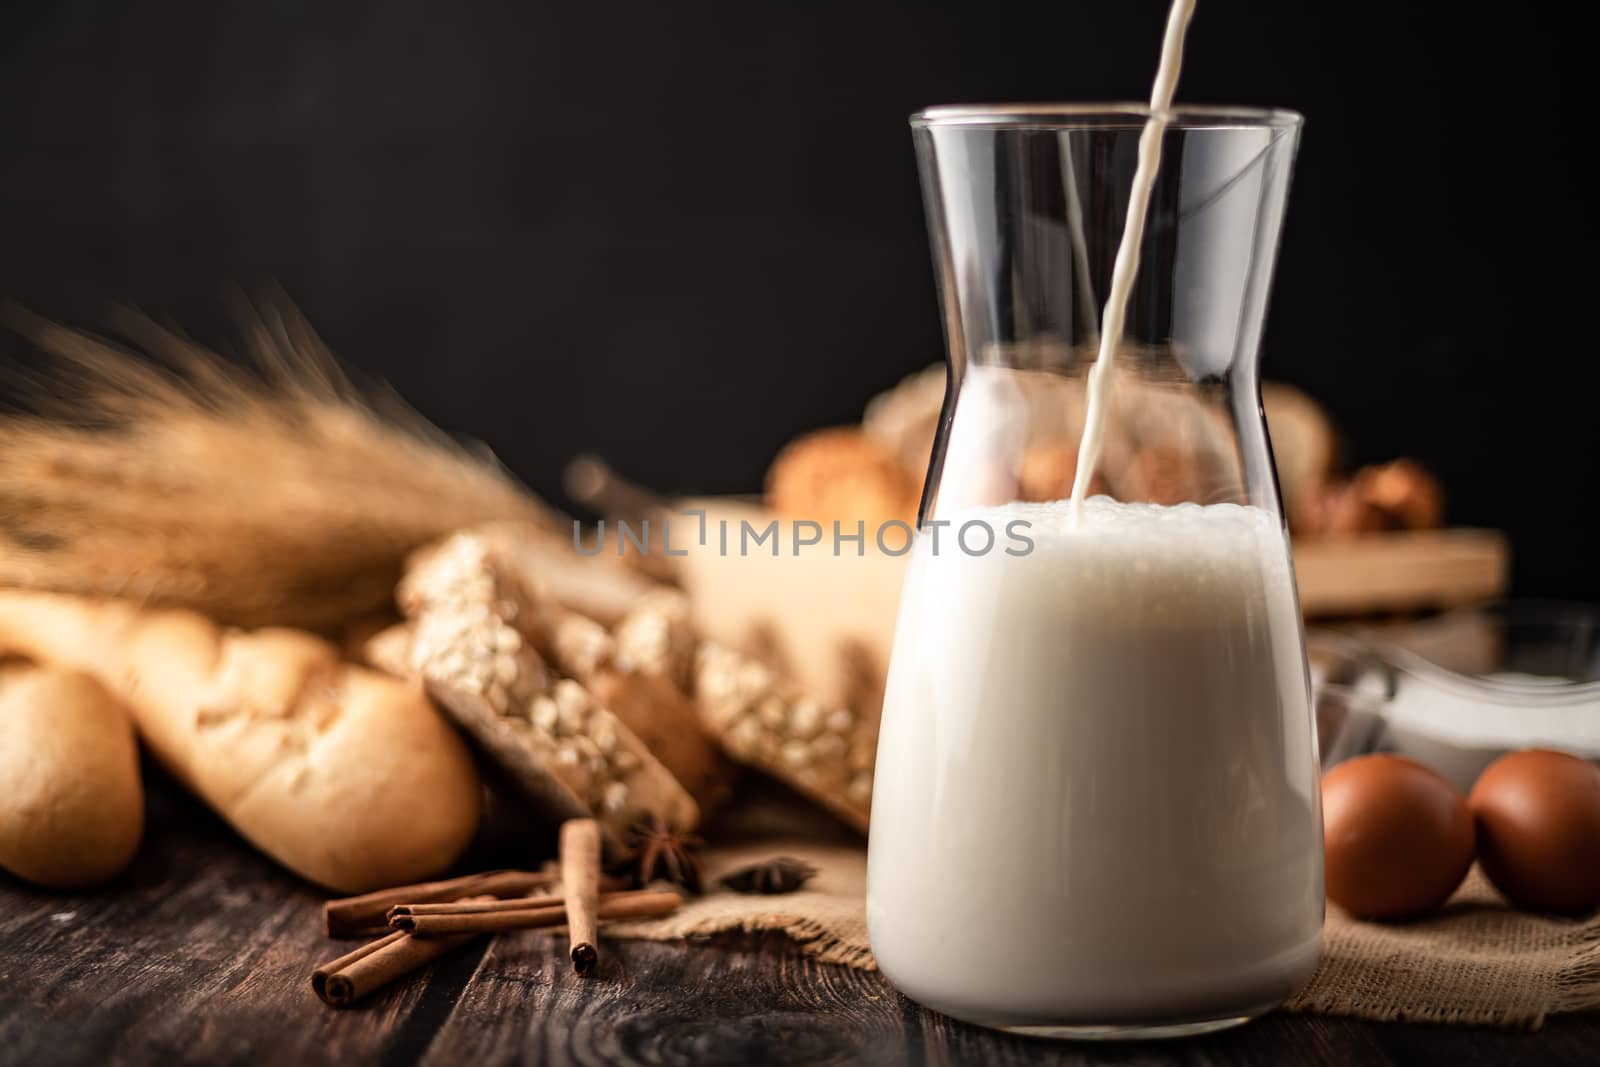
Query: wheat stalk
{"type": "Point", "coordinates": [277, 493]}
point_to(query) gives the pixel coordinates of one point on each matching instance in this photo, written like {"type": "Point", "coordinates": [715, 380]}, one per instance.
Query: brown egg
{"type": "Point", "coordinates": [1398, 837]}
{"type": "Point", "coordinates": [1538, 816]}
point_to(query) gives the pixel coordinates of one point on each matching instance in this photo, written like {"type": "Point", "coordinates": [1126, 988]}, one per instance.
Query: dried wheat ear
{"type": "Point", "coordinates": [268, 492]}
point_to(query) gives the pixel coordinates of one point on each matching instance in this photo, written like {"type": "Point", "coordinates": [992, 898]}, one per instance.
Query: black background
{"type": "Point", "coordinates": [678, 233]}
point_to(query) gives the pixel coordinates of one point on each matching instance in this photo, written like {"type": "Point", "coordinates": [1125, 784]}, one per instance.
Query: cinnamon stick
{"type": "Point", "coordinates": [464, 907]}
{"type": "Point", "coordinates": [374, 965]}
{"type": "Point", "coordinates": [456, 907]}
{"type": "Point", "coordinates": [639, 904]}
{"type": "Point", "coordinates": [580, 882]}
{"type": "Point", "coordinates": [378, 964]}
{"type": "Point", "coordinates": [365, 914]}
{"type": "Point", "coordinates": [480, 905]}
{"type": "Point", "coordinates": [319, 977]}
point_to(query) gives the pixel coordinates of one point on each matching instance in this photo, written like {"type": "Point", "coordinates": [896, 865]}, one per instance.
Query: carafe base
{"type": "Point", "coordinates": [1126, 1031]}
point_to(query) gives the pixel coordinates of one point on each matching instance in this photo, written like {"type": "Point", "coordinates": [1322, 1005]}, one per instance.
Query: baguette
{"type": "Point", "coordinates": [345, 776]}
{"type": "Point", "coordinates": [71, 804]}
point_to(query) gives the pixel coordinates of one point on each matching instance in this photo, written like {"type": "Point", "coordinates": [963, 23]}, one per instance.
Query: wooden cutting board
{"type": "Point", "coordinates": [1414, 570]}
{"type": "Point", "coordinates": [829, 620]}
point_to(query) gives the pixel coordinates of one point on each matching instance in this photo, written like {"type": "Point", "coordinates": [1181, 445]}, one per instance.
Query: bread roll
{"type": "Point", "coordinates": [842, 474]}
{"type": "Point", "coordinates": [346, 776]}
{"type": "Point", "coordinates": [1305, 446]}
{"type": "Point", "coordinates": [71, 805]}
{"type": "Point", "coordinates": [905, 419]}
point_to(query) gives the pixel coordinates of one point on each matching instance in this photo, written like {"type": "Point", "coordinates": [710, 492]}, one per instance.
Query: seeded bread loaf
{"type": "Point", "coordinates": [641, 670]}
{"type": "Point", "coordinates": [681, 697]}
{"type": "Point", "coordinates": [654, 660]}
{"type": "Point", "coordinates": [825, 752]}
{"type": "Point", "coordinates": [71, 804]}
{"type": "Point", "coordinates": [599, 587]}
{"type": "Point", "coordinates": [757, 717]}
{"type": "Point", "coordinates": [474, 629]}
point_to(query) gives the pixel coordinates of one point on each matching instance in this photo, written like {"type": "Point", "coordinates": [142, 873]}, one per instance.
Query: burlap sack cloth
{"type": "Point", "coordinates": [1477, 961]}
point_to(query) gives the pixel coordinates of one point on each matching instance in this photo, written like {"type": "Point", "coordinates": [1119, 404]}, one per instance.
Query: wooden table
{"type": "Point", "coordinates": [202, 953]}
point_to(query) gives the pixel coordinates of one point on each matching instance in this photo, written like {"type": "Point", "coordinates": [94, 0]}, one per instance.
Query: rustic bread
{"type": "Point", "coordinates": [1305, 446]}
{"type": "Point", "coordinates": [475, 628]}
{"type": "Point", "coordinates": [71, 804]}
{"type": "Point", "coordinates": [1145, 416]}
{"type": "Point", "coordinates": [346, 776]}
{"type": "Point", "coordinates": [761, 720]}
{"type": "Point", "coordinates": [905, 419]}
{"type": "Point", "coordinates": [678, 697]}
{"type": "Point", "coordinates": [601, 586]}
{"type": "Point", "coordinates": [641, 670]}
{"type": "Point", "coordinates": [843, 474]}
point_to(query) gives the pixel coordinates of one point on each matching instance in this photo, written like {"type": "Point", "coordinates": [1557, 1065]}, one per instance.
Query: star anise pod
{"type": "Point", "coordinates": [781, 874]}
{"type": "Point", "coordinates": [657, 853]}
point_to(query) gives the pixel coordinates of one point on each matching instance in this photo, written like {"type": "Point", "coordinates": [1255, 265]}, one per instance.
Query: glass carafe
{"type": "Point", "coordinates": [1097, 810]}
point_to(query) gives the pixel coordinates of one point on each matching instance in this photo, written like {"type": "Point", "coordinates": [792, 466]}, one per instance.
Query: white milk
{"type": "Point", "coordinates": [1097, 798]}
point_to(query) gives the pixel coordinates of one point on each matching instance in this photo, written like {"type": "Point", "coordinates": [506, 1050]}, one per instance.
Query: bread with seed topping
{"type": "Point", "coordinates": [473, 640]}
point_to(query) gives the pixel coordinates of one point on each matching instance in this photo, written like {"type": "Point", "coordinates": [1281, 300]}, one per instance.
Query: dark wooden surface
{"type": "Point", "coordinates": [201, 954]}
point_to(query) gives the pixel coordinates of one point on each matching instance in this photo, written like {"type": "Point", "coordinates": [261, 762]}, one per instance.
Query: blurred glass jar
{"type": "Point", "coordinates": [1463, 688]}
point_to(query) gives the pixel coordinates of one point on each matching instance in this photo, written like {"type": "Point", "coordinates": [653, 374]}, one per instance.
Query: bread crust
{"type": "Point", "coordinates": [477, 627]}
{"type": "Point", "coordinates": [71, 802]}
{"type": "Point", "coordinates": [842, 473]}
{"type": "Point", "coordinates": [348, 777]}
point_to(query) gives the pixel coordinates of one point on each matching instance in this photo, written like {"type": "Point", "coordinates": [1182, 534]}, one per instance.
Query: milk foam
{"type": "Point", "coordinates": [1147, 561]}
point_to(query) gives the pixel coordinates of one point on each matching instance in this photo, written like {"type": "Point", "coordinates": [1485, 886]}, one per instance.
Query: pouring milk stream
{"type": "Point", "coordinates": [1126, 267]}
